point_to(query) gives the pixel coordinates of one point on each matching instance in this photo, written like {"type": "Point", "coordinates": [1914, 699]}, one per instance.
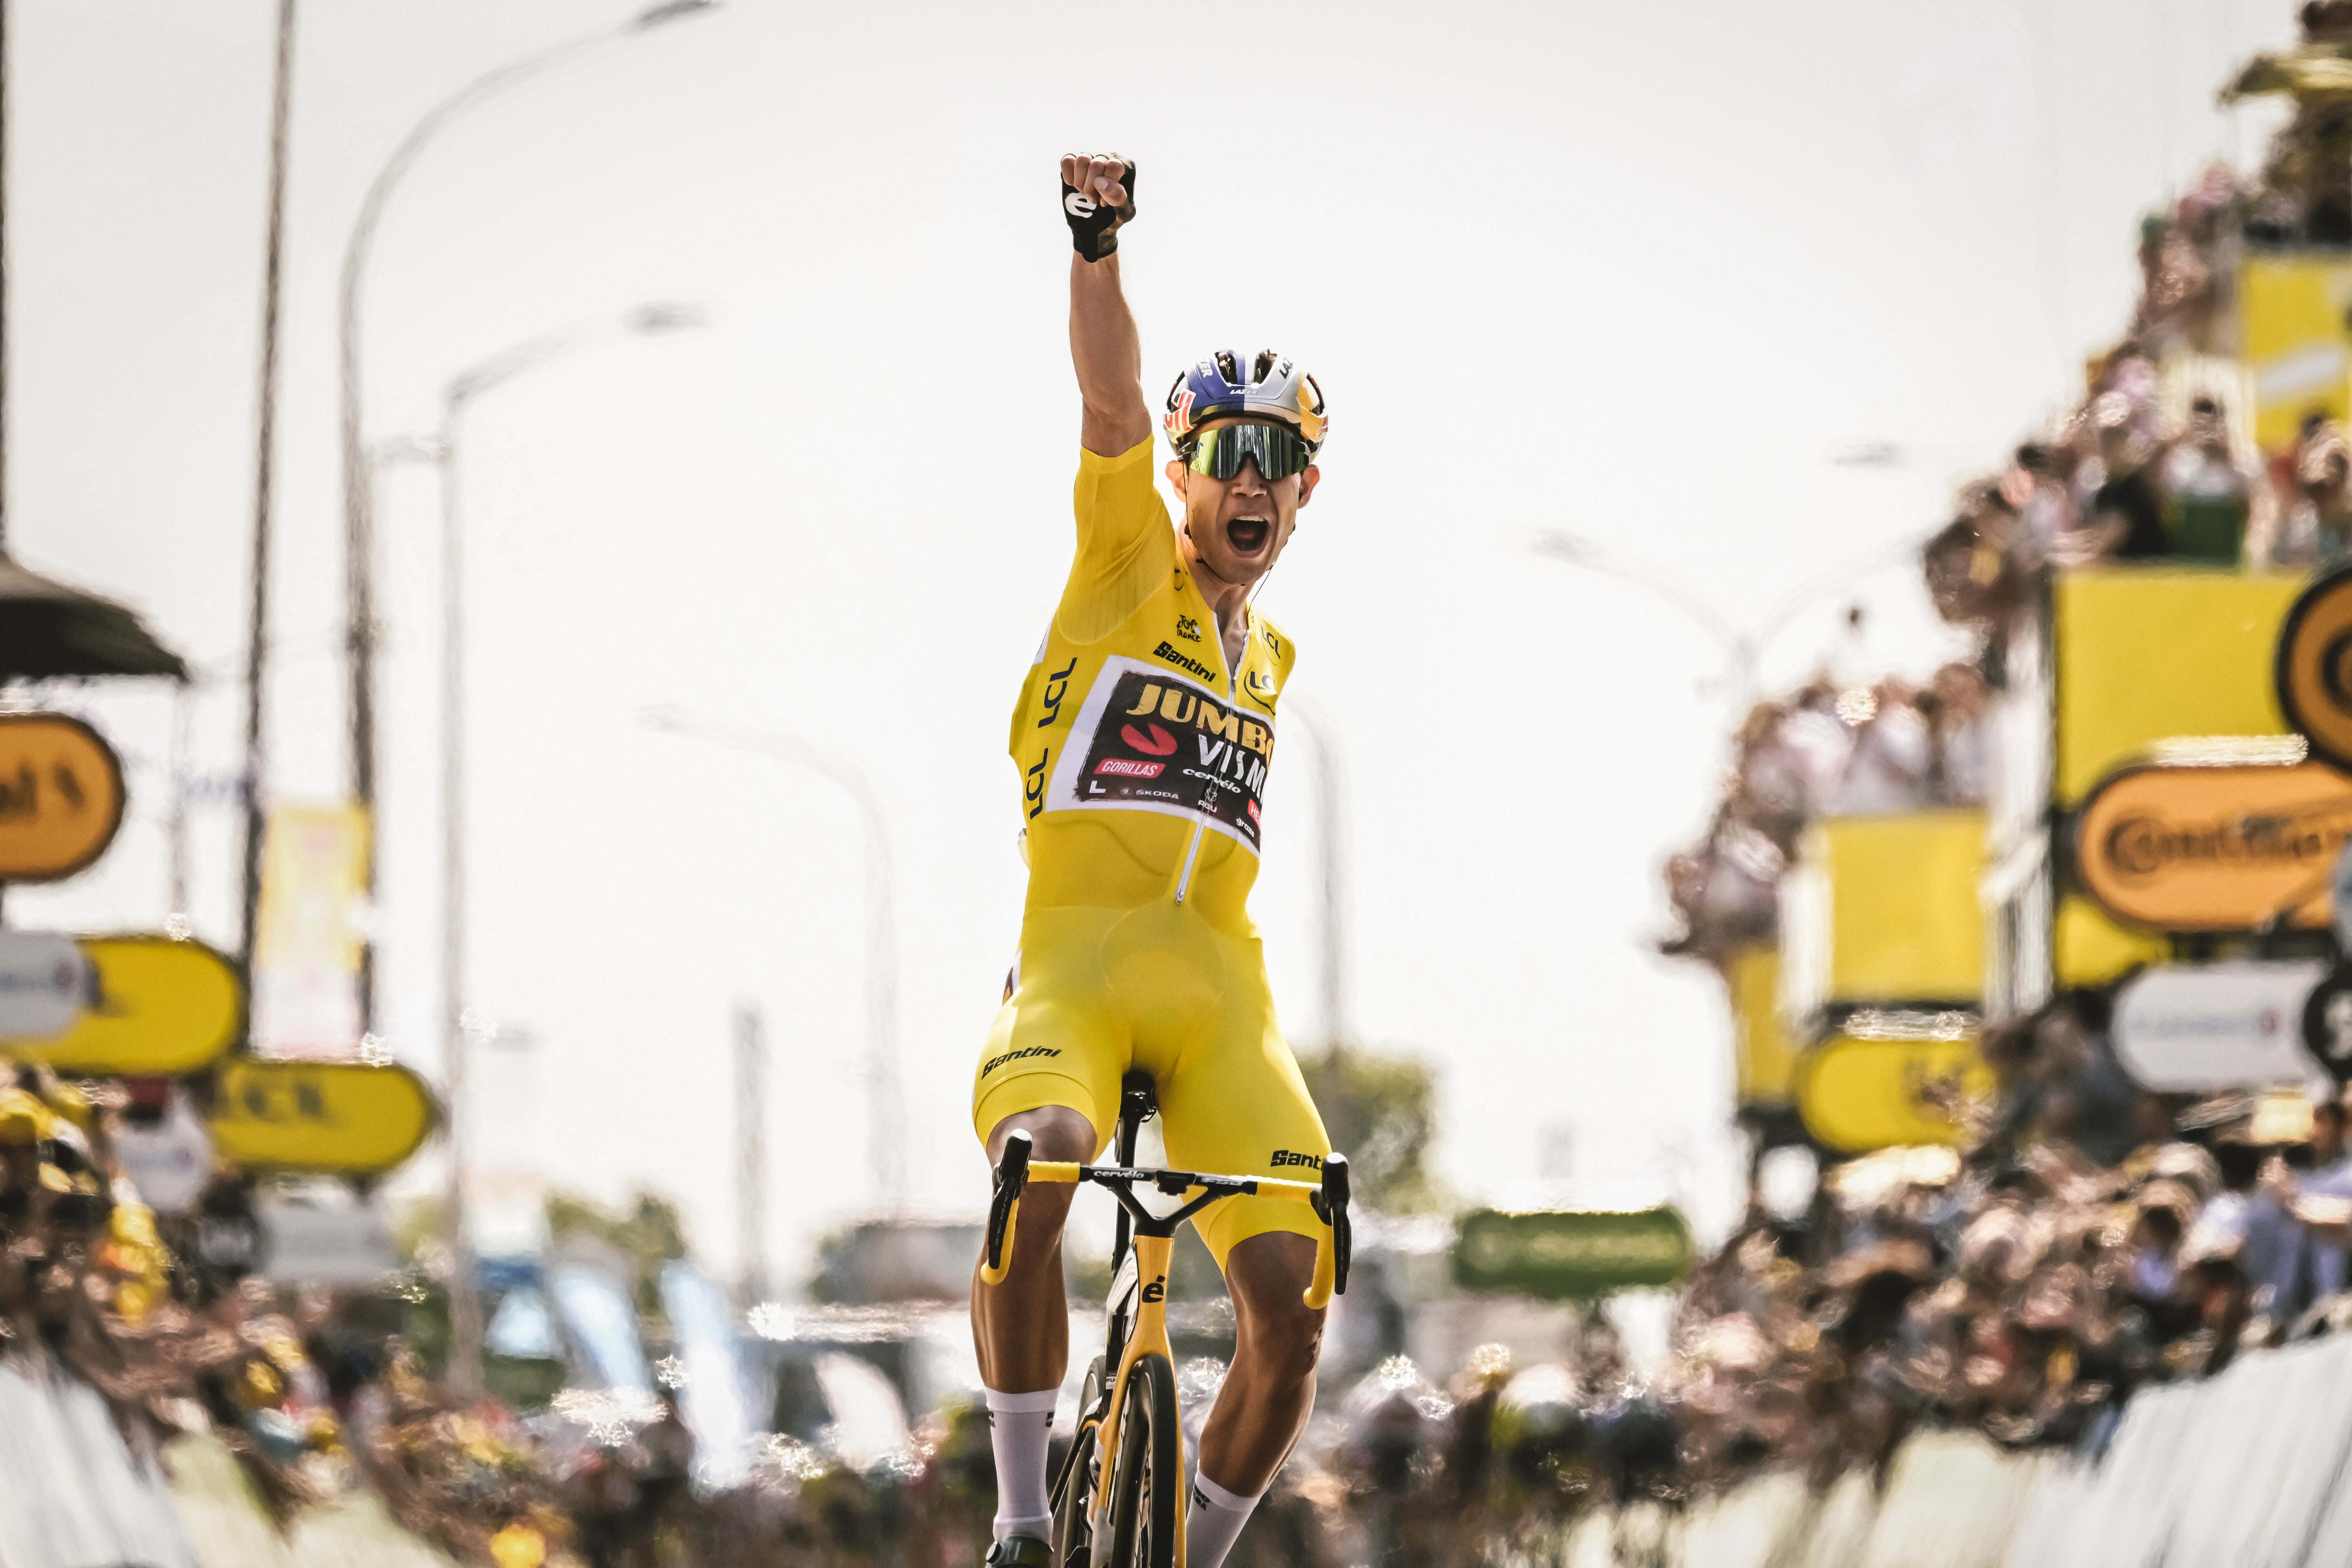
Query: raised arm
{"type": "Point", "coordinates": [1097, 199]}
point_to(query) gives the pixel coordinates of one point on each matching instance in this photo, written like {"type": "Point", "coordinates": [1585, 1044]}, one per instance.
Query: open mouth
{"type": "Point", "coordinates": [1248, 536]}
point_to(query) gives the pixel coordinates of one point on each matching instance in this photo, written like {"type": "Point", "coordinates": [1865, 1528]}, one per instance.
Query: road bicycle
{"type": "Point", "coordinates": [1122, 1504]}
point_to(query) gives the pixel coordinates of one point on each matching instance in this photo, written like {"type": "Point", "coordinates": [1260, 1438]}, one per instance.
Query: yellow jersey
{"type": "Point", "coordinates": [1142, 756]}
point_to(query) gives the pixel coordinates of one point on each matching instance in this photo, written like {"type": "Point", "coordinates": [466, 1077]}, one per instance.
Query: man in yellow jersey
{"type": "Point", "coordinates": [1142, 739]}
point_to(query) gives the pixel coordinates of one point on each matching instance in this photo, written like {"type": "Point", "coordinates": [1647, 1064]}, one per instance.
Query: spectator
{"type": "Point", "coordinates": [2212, 496]}
{"type": "Point", "coordinates": [2125, 515]}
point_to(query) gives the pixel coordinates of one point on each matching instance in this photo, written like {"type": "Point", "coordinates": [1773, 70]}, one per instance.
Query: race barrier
{"type": "Point", "coordinates": [2251, 1468]}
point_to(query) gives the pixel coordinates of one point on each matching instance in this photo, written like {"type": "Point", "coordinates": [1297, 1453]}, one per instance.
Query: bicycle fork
{"type": "Point", "coordinates": [1148, 1336]}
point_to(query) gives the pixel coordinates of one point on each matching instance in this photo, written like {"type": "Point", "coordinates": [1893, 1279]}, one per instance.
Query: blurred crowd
{"type": "Point", "coordinates": [2157, 462]}
{"type": "Point", "coordinates": [1822, 753]}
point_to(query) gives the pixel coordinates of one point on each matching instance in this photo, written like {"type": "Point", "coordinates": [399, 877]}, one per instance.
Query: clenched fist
{"type": "Point", "coordinates": [1097, 197]}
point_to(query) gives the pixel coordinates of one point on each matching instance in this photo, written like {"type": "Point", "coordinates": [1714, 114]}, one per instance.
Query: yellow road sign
{"type": "Point", "coordinates": [60, 796]}
{"type": "Point", "coordinates": [160, 1009]}
{"type": "Point", "coordinates": [347, 1118]}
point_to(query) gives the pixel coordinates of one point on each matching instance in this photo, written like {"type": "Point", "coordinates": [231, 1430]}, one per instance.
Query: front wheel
{"type": "Point", "coordinates": [1073, 1488]}
{"type": "Point", "coordinates": [1147, 1483]}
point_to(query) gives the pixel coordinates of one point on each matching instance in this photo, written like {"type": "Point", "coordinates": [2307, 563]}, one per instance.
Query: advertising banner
{"type": "Point", "coordinates": [2292, 311]}
{"type": "Point", "coordinates": [342, 1118]}
{"type": "Point", "coordinates": [1562, 1254]}
{"type": "Point", "coordinates": [2314, 669]}
{"type": "Point", "coordinates": [2217, 1026]}
{"type": "Point", "coordinates": [2214, 848]}
{"type": "Point", "coordinates": [2146, 654]}
{"type": "Point", "coordinates": [1897, 907]}
{"type": "Point", "coordinates": [44, 982]}
{"type": "Point", "coordinates": [307, 947]}
{"type": "Point", "coordinates": [1858, 1095]}
{"type": "Point", "coordinates": [154, 1007]}
{"type": "Point", "coordinates": [1767, 1056]}
{"type": "Point", "coordinates": [60, 796]}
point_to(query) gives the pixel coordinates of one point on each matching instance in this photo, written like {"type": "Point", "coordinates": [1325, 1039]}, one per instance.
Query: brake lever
{"type": "Point", "coordinates": [1010, 1176]}
{"type": "Point", "coordinates": [1331, 1204]}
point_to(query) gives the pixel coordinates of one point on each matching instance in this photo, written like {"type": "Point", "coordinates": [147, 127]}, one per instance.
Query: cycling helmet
{"type": "Point", "coordinates": [1225, 385]}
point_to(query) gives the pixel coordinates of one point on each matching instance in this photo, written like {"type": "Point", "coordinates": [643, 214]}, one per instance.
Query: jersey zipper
{"type": "Point", "coordinates": [1192, 849]}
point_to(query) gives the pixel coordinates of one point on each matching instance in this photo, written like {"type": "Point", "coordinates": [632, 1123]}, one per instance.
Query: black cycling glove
{"type": "Point", "coordinates": [1094, 227]}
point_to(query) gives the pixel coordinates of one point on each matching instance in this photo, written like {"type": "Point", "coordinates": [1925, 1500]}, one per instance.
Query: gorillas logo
{"type": "Point", "coordinates": [1078, 204]}
{"type": "Point", "coordinates": [1159, 743]}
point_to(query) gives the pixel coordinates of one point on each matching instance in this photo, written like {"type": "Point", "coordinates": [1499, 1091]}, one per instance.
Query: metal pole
{"type": "Point", "coordinates": [750, 1155]}
{"type": "Point", "coordinates": [4, 278]}
{"type": "Point", "coordinates": [1331, 872]}
{"type": "Point", "coordinates": [256, 644]}
{"type": "Point", "coordinates": [359, 497]}
{"type": "Point", "coordinates": [886, 1108]}
{"type": "Point", "coordinates": [465, 1367]}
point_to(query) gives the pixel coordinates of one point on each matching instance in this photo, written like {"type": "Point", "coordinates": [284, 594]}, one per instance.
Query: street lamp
{"type": "Point", "coordinates": [1330, 872]}
{"type": "Point", "coordinates": [442, 450]}
{"type": "Point", "coordinates": [886, 1112]}
{"type": "Point", "coordinates": [359, 497]}
{"type": "Point", "coordinates": [1742, 647]}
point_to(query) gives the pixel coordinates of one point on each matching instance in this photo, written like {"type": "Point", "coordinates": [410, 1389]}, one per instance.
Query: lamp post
{"type": "Point", "coordinates": [886, 1110]}
{"type": "Point", "coordinates": [444, 450]}
{"type": "Point", "coordinates": [1742, 647]}
{"type": "Point", "coordinates": [1330, 872]}
{"type": "Point", "coordinates": [359, 497]}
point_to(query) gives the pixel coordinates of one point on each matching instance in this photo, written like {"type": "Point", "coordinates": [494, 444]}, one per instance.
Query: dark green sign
{"type": "Point", "coordinates": [1559, 1254]}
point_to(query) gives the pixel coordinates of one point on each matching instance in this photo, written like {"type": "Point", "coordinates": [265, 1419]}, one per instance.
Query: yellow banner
{"type": "Point", "coordinates": [344, 1118]}
{"type": "Point", "coordinates": [1904, 923]}
{"type": "Point", "coordinates": [1858, 1095]}
{"type": "Point", "coordinates": [2147, 654]}
{"type": "Point", "coordinates": [2297, 349]}
{"type": "Point", "coordinates": [161, 1008]}
{"type": "Point", "coordinates": [308, 948]}
{"type": "Point", "coordinates": [60, 796]}
{"type": "Point", "coordinates": [1767, 1056]}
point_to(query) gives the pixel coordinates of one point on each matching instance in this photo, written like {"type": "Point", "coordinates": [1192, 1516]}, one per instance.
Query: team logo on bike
{"type": "Point", "coordinates": [1157, 1290]}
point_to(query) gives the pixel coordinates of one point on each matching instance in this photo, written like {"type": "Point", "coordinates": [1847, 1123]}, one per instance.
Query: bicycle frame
{"type": "Point", "coordinates": [1153, 1244]}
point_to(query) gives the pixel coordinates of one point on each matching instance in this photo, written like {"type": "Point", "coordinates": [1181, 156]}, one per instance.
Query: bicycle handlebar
{"type": "Point", "coordinates": [1328, 1198]}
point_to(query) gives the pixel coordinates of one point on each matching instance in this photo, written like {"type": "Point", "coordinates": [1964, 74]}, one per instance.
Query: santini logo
{"type": "Point", "coordinates": [1285, 1157]}
{"type": "Point", "coordinates": [1182, 661]}
{"type": "Point", "coordinates": [1017, 1056]}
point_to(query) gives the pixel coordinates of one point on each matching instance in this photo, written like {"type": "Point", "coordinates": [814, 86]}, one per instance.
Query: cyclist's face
{"type": "Point", "coordinates": [1239, 525]}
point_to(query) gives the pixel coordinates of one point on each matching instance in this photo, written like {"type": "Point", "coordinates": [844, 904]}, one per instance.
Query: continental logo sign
{"type": "Point", "coordinates": [2214, 848]}
{"type": "Point", "coordinates": [2313, 668]}
{"type": "Point", "coordinates": [60, 796]}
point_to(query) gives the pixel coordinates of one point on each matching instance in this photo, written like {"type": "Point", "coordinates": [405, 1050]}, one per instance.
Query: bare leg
{"type": "Point", "coordinates": [1020, 1329]}
{"type": "Point", "coordinates": [1270, 1391]}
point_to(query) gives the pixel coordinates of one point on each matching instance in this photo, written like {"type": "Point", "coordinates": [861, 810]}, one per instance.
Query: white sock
{"type": "Point", "coordinates": [1019, 1427]}
{"type": "Point", "coordinates": [1217, 1517]}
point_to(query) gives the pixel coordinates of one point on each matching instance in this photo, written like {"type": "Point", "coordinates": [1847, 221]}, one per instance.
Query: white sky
{"type": "Point", "coordinates": [1635, 271]}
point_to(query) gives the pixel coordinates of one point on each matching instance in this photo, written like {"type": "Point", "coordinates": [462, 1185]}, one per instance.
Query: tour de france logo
{"type": "Point", "coordinates": [2313, 668]}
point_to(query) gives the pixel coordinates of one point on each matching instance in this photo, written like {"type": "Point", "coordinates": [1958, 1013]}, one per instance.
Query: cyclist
{"type": "Point", "coordinates": [1142, 738]}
